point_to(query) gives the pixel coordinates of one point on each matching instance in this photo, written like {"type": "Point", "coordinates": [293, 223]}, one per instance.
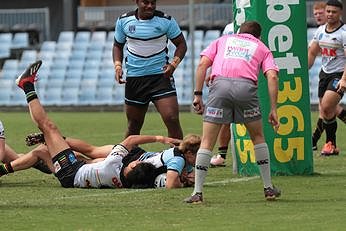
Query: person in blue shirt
{"type": "Point", "coordinates": [149, 72]}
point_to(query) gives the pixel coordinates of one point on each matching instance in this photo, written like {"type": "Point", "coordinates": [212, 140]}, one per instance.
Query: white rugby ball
{"type": "Point", "coordinates": [160, 181]}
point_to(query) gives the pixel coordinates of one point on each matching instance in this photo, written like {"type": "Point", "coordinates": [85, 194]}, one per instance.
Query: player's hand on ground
{"type": "Point", "coordinates": [187, 179]}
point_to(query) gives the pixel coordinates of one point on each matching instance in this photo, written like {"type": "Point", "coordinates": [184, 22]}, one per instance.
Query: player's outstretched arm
{"type": "Point", "coordinates": [135, 140]}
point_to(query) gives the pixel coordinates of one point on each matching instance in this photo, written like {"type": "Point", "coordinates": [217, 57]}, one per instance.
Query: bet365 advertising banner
{"type": "Point", "coordinates": [284, 32]}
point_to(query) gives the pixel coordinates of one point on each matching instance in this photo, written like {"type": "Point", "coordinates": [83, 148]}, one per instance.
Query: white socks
{"type": "Point", "coordinates": [201, 169]}
{"type": "Point", "coordinates": [263, 162]}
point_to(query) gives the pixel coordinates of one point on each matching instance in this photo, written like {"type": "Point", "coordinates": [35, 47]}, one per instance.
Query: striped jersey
{"type": "Point", "coordinates": [333, 48]}
{"type": "Point", "coordinates": [171, 158]}
{"type": "Point", "coordinates": [146, 42]}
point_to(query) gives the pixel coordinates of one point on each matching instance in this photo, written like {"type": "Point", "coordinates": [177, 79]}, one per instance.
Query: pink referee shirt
{"type": "Point", "coordinates": [239, 56]}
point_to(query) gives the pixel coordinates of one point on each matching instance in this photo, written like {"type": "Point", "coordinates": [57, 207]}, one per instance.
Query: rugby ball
{"type": "Point", "coordinates": [160, 181]}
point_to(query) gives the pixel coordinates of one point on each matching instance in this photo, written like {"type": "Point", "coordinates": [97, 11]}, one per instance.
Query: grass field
{"type": "Point", "coordinates": [34, 201]}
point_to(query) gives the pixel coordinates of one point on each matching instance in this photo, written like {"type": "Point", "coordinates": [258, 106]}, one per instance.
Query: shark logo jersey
{"type": "Point", "coordinates": [104, 174]}
{"type": "Point", "coordinates": [171, 158]}
{"type": "Point", "coordinates": [2, 131]}
{"type": "Point", "coordinates": [146, 42]}
{"type": "Point", "coordinates": [333, 48]}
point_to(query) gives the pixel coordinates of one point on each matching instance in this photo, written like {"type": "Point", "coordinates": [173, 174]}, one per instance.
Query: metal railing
{"type": "Point", "coordinates": [207, 15]}
{"type": "Point", "coordinates": [26, 17]}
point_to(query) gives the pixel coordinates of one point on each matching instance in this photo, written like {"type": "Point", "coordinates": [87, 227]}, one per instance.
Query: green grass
{"type": "Point", "coordinates": [34, 201]}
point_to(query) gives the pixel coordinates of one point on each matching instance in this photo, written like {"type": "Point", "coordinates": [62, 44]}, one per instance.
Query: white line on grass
{"type": "Point", "coordinates": [223, 182]}
{"type": "Point", "coordinates": [119, 192]}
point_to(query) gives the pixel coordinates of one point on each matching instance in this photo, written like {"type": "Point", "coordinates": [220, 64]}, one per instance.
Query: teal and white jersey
{"type": "Point", "coordinates": [171, 158]}
{"type": "Point", "coordinates": [2, 131]}
{"type": "Point", "coordinates": [146, 42]}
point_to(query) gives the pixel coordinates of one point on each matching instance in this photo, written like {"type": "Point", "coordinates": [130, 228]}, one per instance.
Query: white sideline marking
{"type": "Point", "coordinates": [235, 180]}
{"type": "Point", "coordinates": [222, 182]}
{"type": "Point", "coordinates": [119, 192]}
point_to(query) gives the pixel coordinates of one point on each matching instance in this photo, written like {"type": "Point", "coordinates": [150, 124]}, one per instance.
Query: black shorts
{"type": "Point", "coordinates": [142, 90]}
{"type": "Point", "coordinates": [328, 82]}
{"type": "Point", "coordinates": [66, 166]}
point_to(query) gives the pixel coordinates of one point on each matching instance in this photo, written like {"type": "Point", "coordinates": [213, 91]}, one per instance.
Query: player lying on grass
{"type": "Point", "coordinates": [177, 162]}
{"type": "Point", "coordinates": [75, 173]}
{"type": "Point", "coordinates": [172, 159]}
{"type": "Point", "coordinates": [7, 154]}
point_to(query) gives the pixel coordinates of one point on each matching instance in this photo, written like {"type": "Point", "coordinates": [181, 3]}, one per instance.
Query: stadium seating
{"type": "Point", "coordinates": [83, 56]}
{"type": "Point", "coordinates": [20, 40]}
{"type": "Point", "coordinates": [5, 91]}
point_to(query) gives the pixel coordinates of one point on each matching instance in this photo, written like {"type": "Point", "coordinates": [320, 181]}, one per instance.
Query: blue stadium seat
{"type": "Point", "coordinates": [10, 64]}
{"type": "Point", "coordinates": [110, 37]}
{"type": "Point", "coordinates": [5, 44]}
{"type": "Point", "coordinates": [63, 47]}
{"type": "Point", "coordinates": [66, 37]}
{"type": "Point", "coordinates": [310, 33]}
{"type": "Point", "coordinates": [62, 56]}
{"type": "Point", "coordinates": [87, 92]}
{"type": "Point", "coordinates": [107, 54]}
{"type": "Point", "coordinates": [46, 56]}
{"type": "Point", "coordinates": [118, 94]}
{"type": "Point", "coordinates": [44, 70]}
{"type": "Point", "coordinates": [82, 37]}
{"type": "Point", "coordinates": [211, 35]}
{"type": "Point", "coordinates": [98, 36]}
{"type": "Point", "coordinates": [18, 97]}
{"type": "Point", "coordinates": [71, 83]}
{"type": "Point", "coordinates": [96, 46]}
{"type": "Point", "coordinates": [106, 82]}
{"type": "Point", "coordinates": [104, 95]}
{"type": "Point", "coordinates": [95, 54]}
{"type": "Point", "coordinates": [74, 74]}
{"type": "Point", "coordinates": [76, 65]}
{"type": "Point", "coordinates": [79, 46]}
{"type": "Point", "coordinates": [5, 51]}
{"type": "Point", "coordinates": [92, 64]}
{"type": "Point", "coordinates": [60, 64]}
{"type": "Point", "coordinates": [9, 74]}
{"type": "Point", "coordinates": [54, 83]}
{"type": "Point", "coordinates": [20, 40]}
{"type": "Point", "coordinates": [52, 96]}
{"type": "Point", "coordinates": [78, 55]}
{"type": "Point", "coordinates": [107, 63]}
{"type": "Point", "coordinates": [23, 64]}
{"type": "Point", "coordinates": [5, 91]}
{"type": "Point", "coordinates": [5, 38]}
{"type": "Point", "coordinates": [48, 46]}
{"type": "Point", "coordinates": [57, 74]}
{"type": "Point", "coordinates": [69, 96]}
{"type": "Point", "coordinates": [198, 34]}
{"type": "Point", "coordinates": [29, 55]}
{"type": "Point", "coordinates": [90, 74]}
{"type": "Point", "coordinates": [107, 73]}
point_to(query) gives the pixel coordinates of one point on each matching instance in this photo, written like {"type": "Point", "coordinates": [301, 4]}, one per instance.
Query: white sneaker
{"type": "Point", "coordinates": [217, 161]}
